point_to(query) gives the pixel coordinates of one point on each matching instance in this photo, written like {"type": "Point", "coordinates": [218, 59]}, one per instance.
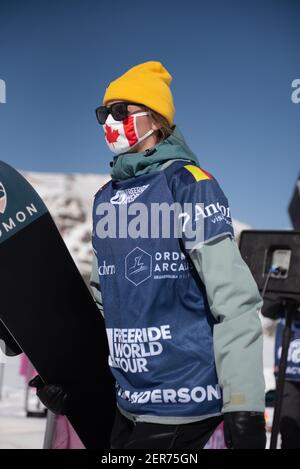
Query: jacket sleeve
{"type": "Point", "coordinates": [235, 302]}
{"type": "Point", "coordinates": [231, 290]}
{"type": "Point", "coordinates": [95, 284]}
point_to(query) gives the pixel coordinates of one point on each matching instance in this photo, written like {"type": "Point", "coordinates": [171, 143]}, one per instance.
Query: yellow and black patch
{"type": "Point", "coordinates": [198, 173]}
{"type": "Point", "coordinates": [191, 173]}
{"type": "Point", "coordinates": [187, 172]}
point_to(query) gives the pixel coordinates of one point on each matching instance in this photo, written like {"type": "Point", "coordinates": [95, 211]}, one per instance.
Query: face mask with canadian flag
{"type": "Point", "coordinates": [122, 136]}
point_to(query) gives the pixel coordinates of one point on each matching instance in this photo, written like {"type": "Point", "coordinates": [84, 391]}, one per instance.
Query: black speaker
{"type": "Point", "coordinates": [273, 256]}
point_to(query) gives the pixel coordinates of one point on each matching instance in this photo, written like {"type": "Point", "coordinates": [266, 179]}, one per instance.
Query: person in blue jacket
{"type": "Point", "coordinates": [290, 411]}
{"type": "Point", "coordinates": [181, 316]}
{"type": "Point", "coordinates": [179, 303]}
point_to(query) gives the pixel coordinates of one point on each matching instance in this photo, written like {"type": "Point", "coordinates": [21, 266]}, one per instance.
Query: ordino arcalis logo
{"type": "Point", "coordinates": [3, 198]}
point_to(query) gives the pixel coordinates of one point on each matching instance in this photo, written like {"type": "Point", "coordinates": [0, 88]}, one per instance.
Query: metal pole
{"type": "Point", "coordinates": [49, 432]}
{"type": "Point", "coordinates": [286, 338]}
{"type": "Point", "coordinates": [29, 372]}
{"type": "Point", "coordinates": [1, 378]}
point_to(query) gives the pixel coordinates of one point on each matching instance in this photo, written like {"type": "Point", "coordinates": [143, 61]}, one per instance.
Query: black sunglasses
{"type": "Point", "coordinates": [119, 111]}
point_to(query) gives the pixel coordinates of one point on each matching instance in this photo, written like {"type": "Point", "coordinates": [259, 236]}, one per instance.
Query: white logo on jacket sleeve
{"type": "Point", "coordinates": [127, 196]}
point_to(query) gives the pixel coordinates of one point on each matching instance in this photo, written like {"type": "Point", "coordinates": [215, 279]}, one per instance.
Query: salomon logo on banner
{"type": "Point", "coordinates": [3, 198]}
{"type": "Point", "coordinates": [128, 195]}
{"type": "Point", "coordinates": [20, 205]}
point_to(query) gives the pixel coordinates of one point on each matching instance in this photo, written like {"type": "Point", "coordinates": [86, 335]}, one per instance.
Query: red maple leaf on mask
{"type": "Point", "coordinates": [111, 135]}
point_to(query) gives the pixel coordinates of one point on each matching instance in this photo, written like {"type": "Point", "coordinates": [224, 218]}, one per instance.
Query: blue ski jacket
{"type": "Point", "coordinates": [180, 309]}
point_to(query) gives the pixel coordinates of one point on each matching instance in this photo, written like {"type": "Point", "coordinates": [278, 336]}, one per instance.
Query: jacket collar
{"type": "Point", "coordinates": [127, 165]}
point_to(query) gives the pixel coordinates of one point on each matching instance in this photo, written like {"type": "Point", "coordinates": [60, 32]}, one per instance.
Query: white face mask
{"type": "Point", "coordinates": [121, 136]}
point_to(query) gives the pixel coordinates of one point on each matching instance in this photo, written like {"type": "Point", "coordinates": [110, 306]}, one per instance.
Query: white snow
{"type": "Point", "coordinates": [16, 430]}
{"type": "Point", "coordinates": [69, 198]}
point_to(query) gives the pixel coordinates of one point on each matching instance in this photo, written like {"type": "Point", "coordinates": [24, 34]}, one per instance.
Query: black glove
{"type": "Point", "coordinates": [244, 430]}
{"type": "Point", "coordinates": [53, 396]}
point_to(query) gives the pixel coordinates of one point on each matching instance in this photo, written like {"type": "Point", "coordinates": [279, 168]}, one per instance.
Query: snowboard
{"type": "Point", "coordinates": [49, 311]}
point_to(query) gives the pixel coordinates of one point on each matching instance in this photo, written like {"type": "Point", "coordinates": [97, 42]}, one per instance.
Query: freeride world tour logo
{"type": "Point", "coordinates": [128, 195]}
{"type": "Point", "coordinates": [3, 198]}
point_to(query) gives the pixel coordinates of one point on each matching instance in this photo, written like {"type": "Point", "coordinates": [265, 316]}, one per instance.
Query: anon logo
{"type": "Point", "coordinates": [3, 198]}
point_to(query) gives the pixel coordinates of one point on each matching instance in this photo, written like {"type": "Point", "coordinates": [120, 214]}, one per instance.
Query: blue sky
{"type": "Point", "coordinates": [232, 64]}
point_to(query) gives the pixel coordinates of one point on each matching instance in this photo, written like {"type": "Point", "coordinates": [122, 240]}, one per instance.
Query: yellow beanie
{"type": "Point", "coordinates": [147, 83]}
